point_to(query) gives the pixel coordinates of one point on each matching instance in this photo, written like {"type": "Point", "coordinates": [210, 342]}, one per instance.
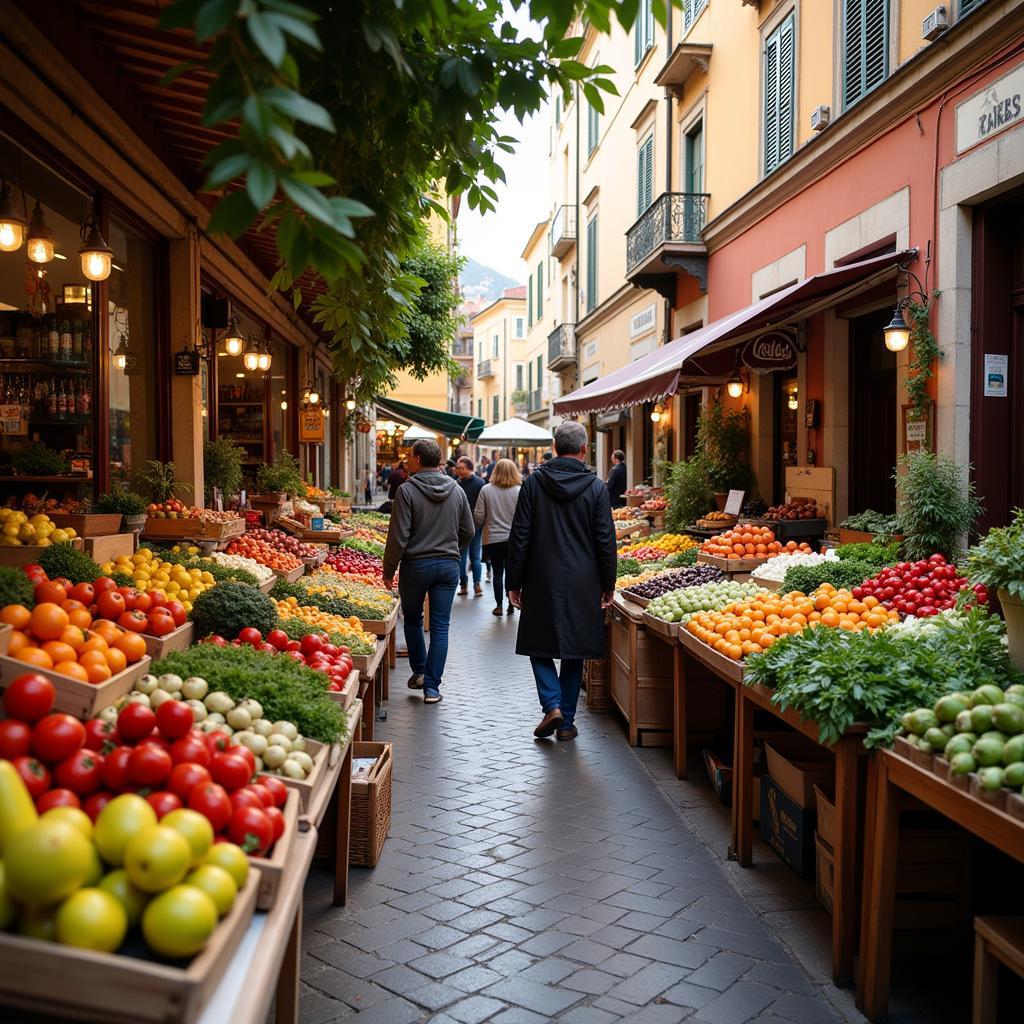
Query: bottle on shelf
{"type": "Point", "coordinates": [62, 401]}
{"type": "Point", "coordinates": [67, 341]}
{"type": "Point", "coordinates": [51, 399]}
{"type": "Point", "coordinates": [77, 333]}
{"type": "Point", "coordinates": [52, 337]}
{"type": "Point", "coordinates": [85, 398]}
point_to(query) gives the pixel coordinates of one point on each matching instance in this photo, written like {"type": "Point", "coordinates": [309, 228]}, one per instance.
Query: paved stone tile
{"type": "Point", "coordinates": [648, 982]}
{"type": "Point", "coordinates": [589, 1015]}
{"type": "Point", "coordinates": [741, 1002]}
{"type": "Point", "coordinates": [594, 982]}
{"type": "Point", "coordinates": [434, 995]}
{"type": "Point", "coordinates": [474, 978]}
{"type": "Point", "coordinates": [721, 971]}
{"type": "Point", "coordinates": [533, 996]}
{"type": "Point", "coordinates": [803, 1009]}
{"type": "Point", "coordinates": [519, 1015]}
{"type": "Point", "coordinates": [475, 1009]}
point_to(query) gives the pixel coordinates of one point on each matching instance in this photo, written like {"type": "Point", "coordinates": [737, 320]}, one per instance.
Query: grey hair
{"type": "Point", "coordinates": [570, 438]}
{"type": "Point", "coordinates": [428, 452]}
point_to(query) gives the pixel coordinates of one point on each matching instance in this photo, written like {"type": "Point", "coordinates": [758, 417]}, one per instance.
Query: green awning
{"type": "Point", "coordinates": [451, 424]}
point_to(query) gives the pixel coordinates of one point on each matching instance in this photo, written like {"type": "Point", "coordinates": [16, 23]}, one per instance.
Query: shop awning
{"type": "Point", "coordinates": [451, 424]}
{"type": "Point", "coordinates": [657, 375]}
{"type": "Point", "coordinates": [515, 432]}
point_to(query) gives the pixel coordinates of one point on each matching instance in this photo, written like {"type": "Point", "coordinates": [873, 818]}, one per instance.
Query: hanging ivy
{"type": "Point", "coordinates": [926, 354]}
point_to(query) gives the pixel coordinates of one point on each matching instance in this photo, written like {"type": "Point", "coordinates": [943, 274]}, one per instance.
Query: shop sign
{"type": "Point", "coordinates": [311, 425]}
{"type": "Point", "coordinates": [996, 367]}
{"type": "Point", "coordinates": [11, 421]}
{"type": "Point", "coordinates": [186, 363]}
{"type": "Point", "coordinates": [769, 352]}
{"type": "Point", "coordinates": [590, 350]}
{"type": "Point", "coordinates": [990, 110]}
{"type": "Point", "coordinates": [642, 322]}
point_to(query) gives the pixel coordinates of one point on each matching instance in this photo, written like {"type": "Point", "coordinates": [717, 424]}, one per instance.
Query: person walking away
{"type": "Point", "coordinates": [430, 523]}
{"type": "Point", "coordinates": [561, 573]}
{"type": "Point", "coordinates": [616, 482]}
{"type": "Point", "coordinates": [367, 485]}
{"type": "Point", "coordinates": [471, 485]}
{"type": "Point", "coordinates": [494, 511]}
{"type": "Point", "coordinates": [397, 478]}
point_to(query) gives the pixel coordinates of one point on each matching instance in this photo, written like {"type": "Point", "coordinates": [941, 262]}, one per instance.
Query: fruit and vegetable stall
{"type": "Point", "coordinates": [179, 722]}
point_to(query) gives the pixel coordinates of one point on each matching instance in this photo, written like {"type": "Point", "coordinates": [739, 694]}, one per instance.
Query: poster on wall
{"type": "Point", "coordinates": [996, 367]}
{"type": "Point", "coordinates": [917, 428]}
{"type": "Point", "coordinates": [311, 425]}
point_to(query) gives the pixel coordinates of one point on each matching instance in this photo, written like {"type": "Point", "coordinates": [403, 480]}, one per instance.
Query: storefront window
{"type": "Point", "coordinates": [131, 330]}
{"type": "Point", "coordinates": [242, 398]}
{"type": "Point", "coordinates": [282, 394]}
{"type": "Point", "coordinates": [47, 330]}
{"type": "Point", "coordinates": [324, 476]}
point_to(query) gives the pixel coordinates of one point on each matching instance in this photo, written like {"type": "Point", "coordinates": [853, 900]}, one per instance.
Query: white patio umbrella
{"type": "Point", "coordinates": [514, 432]}
{"type": "Point", "coordinates": [415, 433]}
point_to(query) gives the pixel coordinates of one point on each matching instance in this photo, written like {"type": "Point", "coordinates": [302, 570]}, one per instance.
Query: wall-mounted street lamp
{"type": "Point", "coordinates": [897, 331]}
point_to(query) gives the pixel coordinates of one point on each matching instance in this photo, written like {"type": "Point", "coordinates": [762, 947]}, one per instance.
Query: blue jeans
{"type": "Point", "coordinates": [437, 577]}
{"type": "Point", "coordinates": [471, 554]}
{"type": "Point", "coordinates": [558, 689]}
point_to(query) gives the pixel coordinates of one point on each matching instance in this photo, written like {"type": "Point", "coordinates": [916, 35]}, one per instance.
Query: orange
{"type": "Point", "coordinates": [98, 673]}
{"type": "Point", "coordinates": [34, 656]}
{"type": "Point", "coordinates": [92, 657]}
{"type": "Point", "coordinates": [73, 636]}
{"type": "Point", "coordinates": [16, 615]}
{"type": "Point", "coordinates": [106, 629]}
{"type": "Point", "coordinates": [132, 646]}
{"type": "Point", "coordinates": [48, 621]}
{"type": "Point", "coordinates": [80, 617]}
{"type": "Point", "coordinates": [94, 643]}
{"type": "Point", "coordinates": [72, 670]}
{"type": "Point", "coordinates": [60, 651]}
{"type": "Point", "coordinates": [70, 605]}
{"type": "Point", "coordinates": [18, 642]}
{"type": "Point", "coordinates": [117, 659]}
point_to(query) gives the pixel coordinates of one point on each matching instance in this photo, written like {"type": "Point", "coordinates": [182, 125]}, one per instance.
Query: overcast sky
{"type": "Point", "coordinates": [497, 239]}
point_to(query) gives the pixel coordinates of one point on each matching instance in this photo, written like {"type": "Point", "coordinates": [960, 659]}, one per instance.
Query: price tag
{"type": "Point", "coordinates": [734, 502]}
{"type": "Point", "coordinates": [10, 420]}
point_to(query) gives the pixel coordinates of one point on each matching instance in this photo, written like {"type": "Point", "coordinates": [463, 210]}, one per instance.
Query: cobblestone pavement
{"type": "Point", "coordinates": [527, 880]}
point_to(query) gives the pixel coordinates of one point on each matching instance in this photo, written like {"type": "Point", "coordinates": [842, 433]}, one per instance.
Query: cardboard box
{"type": "Point", "coordinates": [826, 806]}
{"type": "Point", "coordinates": [787, 827]}
{"type": "Point", "coordinates": [797, 766]}
{"type": "Point", "coordinates": [824, 872]}
{"type": "Point", "coordinates": [720, 773]}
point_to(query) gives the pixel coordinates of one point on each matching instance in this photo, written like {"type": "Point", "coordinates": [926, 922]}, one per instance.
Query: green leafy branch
{"type": "Point", "coordinates": [926, 353]}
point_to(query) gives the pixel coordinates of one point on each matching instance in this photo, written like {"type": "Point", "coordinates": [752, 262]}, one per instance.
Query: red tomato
{"type": "Point", "coordinates": [251, 829]}
{"type": "Point", "coordinates": [191, 748]}
{"type": "Point", "coordinates": [251, 636]}
{"type": "Point", "coordinates": [29, 697]}
{"type": "Point", "coordinates": [84, 592]}
{"type": "Point", "coordinates": [269, 648]}
{"type": "Point", "coordinates": [217, 741]}
{"type": "Point", "coordinates": [265, 796]}
{"type": "Point", "coordinates": [135, 721]}
{"type": "Point", "coordinates": [111, 605]}
{"type": "Point", "coordinates": [244, 797]}
{"type": "Point", "coordinates": [149, 765]}
{"type": "Point", "coordinates": [49, 590]}
{"type": "Point", "coordinates": [115, 769]}
{"type": "Point", "coordinates": [164, 802]}
{"type": "Point", "coordinates": [34, 570]}
{"type": "Point", "coordinates": [56, 737]}
{"type": "Point", "coordinates": [134, 621]}
{"type": "Point", "coordinates": [82, 772]}
{"type": "Point", "coordinates": [97, 802]}
{"type": "Point", "coordinates": [174, 719]}
{"type": "Point", "coordinates": [160, 623]}
{"type": "Point", "coordinates": [15, 739]}
{"type": "Point", "coordinates": [293, 645]}
{"type": "Point", "coordinates": [212, 801]}
{"type": "Point", "coordinates": [178, 613]}
{"type": "Point", "coordinates": [157, 599]}
{"type": "Point", "coordinates": [64, 582]}
{"type": "Point", "coordinates": [130, 595]}
{"type": "Point", "coordinates": [276, 821]}
{"type": "Point", "coordinates": [245, 752]}
{"type": "Point", "coordinates": [102, 585]}
{"type": "Point", "coordinates": [278, 790]}
{"type": "Point", "coordinates": [57, 798]}
{"type": "Point", "coordinates": [230, 770]}
{"type": "Point", "coordinates": [185, 777]}
{"type": "Point", "coordinates": [217, 641]}
{"type": "Point", "coordinates": [143, 602]}
{"type": "Point", "coordinates": [34, 774]}
{"type": "Point", "coordinates": [311, 643]}
{"type": "Point", "coordinates": [279, 638]}
{"type": "Point", "coordinates": [98, 733]}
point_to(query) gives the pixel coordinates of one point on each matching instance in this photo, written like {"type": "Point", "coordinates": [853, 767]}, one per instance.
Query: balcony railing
{"type": "Point", "coordinates": [562, 347]}
{"type": "Point", "coordinates": [563, 231]}
{"type": "Point", "coordinates": [535, 401]}
{"type": "Point", "coordinates": [483, 369]}
{"type": "Point", "coordinates": [674, 217]}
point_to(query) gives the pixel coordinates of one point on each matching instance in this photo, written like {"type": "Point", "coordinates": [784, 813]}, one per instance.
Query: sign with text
{"type": "Point", "coordinates": [989, 111]}
{"type": "Point", "coordinates": [311, 425]}
{"type": "Point", "coordinates": [769, 352]}
{"type": "Point", "coordinates": [644, 321]}
{"type": "Point", "coordinates": [996, 368]}
{"type": "Point", "coordinates": [186, 363]}
{"type": "Point", "coordinates": [734, 502]}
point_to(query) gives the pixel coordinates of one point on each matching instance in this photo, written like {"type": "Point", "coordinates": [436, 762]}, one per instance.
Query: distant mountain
{"type": "Point", "coordinates": [483, 284]}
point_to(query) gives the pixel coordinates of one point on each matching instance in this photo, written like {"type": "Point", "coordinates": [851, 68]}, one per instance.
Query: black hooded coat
{"type": "Point", "coordinates": [561, 555]}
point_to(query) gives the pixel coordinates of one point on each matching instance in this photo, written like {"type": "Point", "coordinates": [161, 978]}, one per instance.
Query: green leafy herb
{"type": "Point", "coordinates": [230, 607]}
{"type": "Point", "coordinates": [628, 567]}
{"type": "Point", "coordinates": [15, 588]}
{"type": "Point", "coordinates": [35, 459]}
{"type": "Point", "coordinates": [872, 552]}
{"type": "Point", "coordinates": [119, 501]}
{"type": "Point", "coordinates": [998, 561]}
{"type": "Point", "coordinates": [870, 521]}
{"type": "Point", "coordinates": [67, 561]}
{"type": "Point", "coordinates": [807, 578]}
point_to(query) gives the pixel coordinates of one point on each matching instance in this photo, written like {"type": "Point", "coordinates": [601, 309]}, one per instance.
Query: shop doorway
{"type": "Point", "coordinates": [873, 415]}
{"type": "Point", "coordinates": [787, 410]}
{"type": "Point", "coordinates": [691, 418]}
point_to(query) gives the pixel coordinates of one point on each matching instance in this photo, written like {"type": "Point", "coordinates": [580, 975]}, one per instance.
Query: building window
{"type": "Point", "coordinates": [694, 156]}
{"type": "Point", "coordinates": [529, 299]}
{"type": "Point", "coordinates": [519, 376]}
{"type": "Point", "coordinates": [592, 128]}
{"type": "Point", "coordinates": [519, 327]}
{"type": "Point", "coordinates": [643, 31]}
{"type": "Point", "coordinates": [645, 174]}
{"type": "Point", "coordinates": [558, 108]}
{"type": "Point", "coordinates": [966, 6]}
{"type": "Point", "coordinates": [540, 369]}
{"type": "Point", "coordinates": [779, 94]}
{"type": "Point", "coordinates": [592, 263]}
{"type": "Point", "coordinates": [529, 377]}
{"type": "Point", "coordinates": [691, 11]}
{"type": "Point", "coordinates": [865, 47]}
{"type": "Point", "coordinates": [494, 346]}
{"type": "Point", "coordinates": [479, 408]}
{"type": "Point", "coordinates": [494, 409]}
{"type": "Point", "coordinates": [540, 289]}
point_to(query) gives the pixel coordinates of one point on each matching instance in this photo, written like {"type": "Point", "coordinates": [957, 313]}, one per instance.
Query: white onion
{"type": "Point", "coordinates": [261, 572]}
{"type": "Point", "coordinates": [775, 568]}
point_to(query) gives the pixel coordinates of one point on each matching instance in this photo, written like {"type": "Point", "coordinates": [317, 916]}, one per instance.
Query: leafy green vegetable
{"type": "Point", "coordinates": [66, 560]}
{"type": "Point", "coordinates": [230, 607]}
{"type": "Point", "coordinates": [871, 552]}
{"type": "Point", "coordinates": [870, 521]}
{"type": "Point", "coordinates": [123, 579]}
{"type": "Point", "coordinates": [367, 547]}
{"type": "Point", "coordinates": [628, 567]}
{"type": "Point", "coordinates": [807, 578]}
{"type": "Point", "coordinates": [15, 588]}
{"type": "Point", "coordinates": [287, 690]}
{"type": "Point", "coordinates": [35, 459]}
{"type": "Point", "coordinates": [118, 500]}
{"type": "Point", "coordinates": [681, 559]}
{"type": "Point", "coordinates": [998, 561]}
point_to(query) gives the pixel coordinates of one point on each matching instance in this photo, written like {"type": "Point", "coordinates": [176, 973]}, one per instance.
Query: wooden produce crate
{"type": "Point", "coordinates": [192, 529]}
{"type": "Point", "coordinates": [641, 679]}
{"type": "Point", "coordinates": [109, 547]}
{"type": "Point", "coordinates": [348, 693]}
{"type": "Point", "coordinates": [309, 787]}
{"type": "Point", "coordinates": [15, 557]}
{"type": "Point", "coordinates": [861, 536]}
{"type": "Point", "coordinates": [635, 500]}
{"type": "Point", "coordinates": [709, 656]}
{"type": "Point", "coordinates": [381, 627]}
{"type": "Point", "coordinates": [63, 981]}
{"type": "Point", "coordinates": [292, 574]}
{"type": "Point", "coordinates": [794, 529]}
{"type": "Point", "coordinates": [88, 524]}
{"type": "Point", "coordinates": [669, 630]}
{"type": "Point", "coordinates": [5, 637]}
{"type": "Point", "coordinates": [731, 565]}
{"type": "Point", "coordinates": [766, 584]}
{"type": "Point", "coordinates": [367, 663]}
{"type": "Point", "coordinates": [268, 585]}
{"type": "Point", "coordinates": [83, 700]}
{"type": "Point", "coordinates": [717, 524]}
{"type": "Point", "coordinates": [158, 647]}
{"type": "Point", "coordinates": [371, 805]}
{"type": "Point", "coordinates": [272, 868]}
{"type": "Point", "coordinates": [595, 683]}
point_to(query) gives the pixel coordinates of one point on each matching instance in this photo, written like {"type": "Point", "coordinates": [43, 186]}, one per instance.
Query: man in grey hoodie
{"type": "Point", "coordinates": [430, 523]}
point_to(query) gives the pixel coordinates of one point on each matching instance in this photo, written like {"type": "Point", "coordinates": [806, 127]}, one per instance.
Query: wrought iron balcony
{"type": "Point", "coordinates": [562, 347]}
{"type": "Point", "coordinates": [563, 231]}
{"type": "Point", "coordinates": [483, 369]}
{"type": "Point", "coordinates": [667, 239]}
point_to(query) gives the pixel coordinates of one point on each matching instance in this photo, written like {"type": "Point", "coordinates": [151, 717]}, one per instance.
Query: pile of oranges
{"type": "Point", "coordinates": [749, 542]}
{"type": "Point", "coordinates": [755, 623]}
{"type": "Point", "coordinates": [65, 638]}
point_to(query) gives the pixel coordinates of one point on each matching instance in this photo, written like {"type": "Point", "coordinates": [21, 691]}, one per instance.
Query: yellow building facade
{"type": "Point", "coordinates": [499, 346]}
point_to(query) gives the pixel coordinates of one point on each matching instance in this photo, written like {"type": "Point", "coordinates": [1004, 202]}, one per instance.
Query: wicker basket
{"type": "Point", "coordinates": [371, 805]}
{"type": "Point", "coordinates": [595, 681]}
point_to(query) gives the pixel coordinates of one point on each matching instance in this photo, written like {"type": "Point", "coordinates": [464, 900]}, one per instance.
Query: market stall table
{"type": "Point", "coordinates": [893, 775]}
{"type": "Point", "coordinates": [370, 684]}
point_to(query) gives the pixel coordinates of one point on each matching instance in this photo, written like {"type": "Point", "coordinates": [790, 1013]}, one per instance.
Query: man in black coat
{"type": "Point", "coordinates": [561, 573]}
{"type": "Point", "coordinates": [616, 482]}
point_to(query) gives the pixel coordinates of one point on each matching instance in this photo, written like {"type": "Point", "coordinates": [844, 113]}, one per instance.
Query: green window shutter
{"type": "Point", "coordinates": [558, 108]}
{"type": "Point", "coordinates": [529, 301]}
{"type": "Point", "coordinates": [529, 376]}
{"type": "Point", "coordinates": [645, 175]}
{"type": "Point", "coordinates": [865, 47]}
{"type": "Point", "coordinates": [494, 409]}
{"type": "Point", "coordinates": [540, 369]}
{"type": "Point", "coordinates": [479, 408]}
{"type": "Point", "coordinates": [592, 263]}
{"type": "Point", "coordinates": [695, 160]}
{"type": "Point", "coordinates": [540, 289]}
{"type": "Point", "coordinates": [779, 95]}
{"type": "Point", "coordinates": [592, 129]}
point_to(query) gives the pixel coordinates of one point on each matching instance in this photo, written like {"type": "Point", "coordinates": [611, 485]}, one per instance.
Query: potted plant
{"type": "Point", "coordinates": [120, 501]}
{"type": "Point", "coordinates": [936, 508]}
{"type": "Point", "coordinates": [723, 444]}
{"type": "Point", "coordinates": [998, 562]}
{"type": "Point", "coordinates": [158, 479]}
{"type": "Point", "coordinates": [688, 492]}
{"type": "Point", "coordinates": [222, 468]}
{"type": "Point", "coordinates": [281, 478]}
{"type": "Point", "coordinates": [35, 459]}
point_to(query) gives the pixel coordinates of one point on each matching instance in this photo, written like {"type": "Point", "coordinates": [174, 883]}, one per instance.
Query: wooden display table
{"type": "Point", "coordinates": [370, 684]}
{"type": "Point", "coordinates": [891, 776]}
{"type": "Point", "coordinates": [385, 629]}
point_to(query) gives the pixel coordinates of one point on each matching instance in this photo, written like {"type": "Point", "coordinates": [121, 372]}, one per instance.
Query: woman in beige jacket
{"type": "Point", "coordinates": [494, 509]}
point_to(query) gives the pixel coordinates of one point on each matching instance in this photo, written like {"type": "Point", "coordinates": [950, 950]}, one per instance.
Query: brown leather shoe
{"type": "Point", "coordinates": [548, 724]}
{"type": "Point", "coordinates": [567, 734]}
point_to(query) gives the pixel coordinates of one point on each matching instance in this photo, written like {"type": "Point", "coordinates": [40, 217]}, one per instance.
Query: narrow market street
{"type": "Point", "coordinates": [526, 880]}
